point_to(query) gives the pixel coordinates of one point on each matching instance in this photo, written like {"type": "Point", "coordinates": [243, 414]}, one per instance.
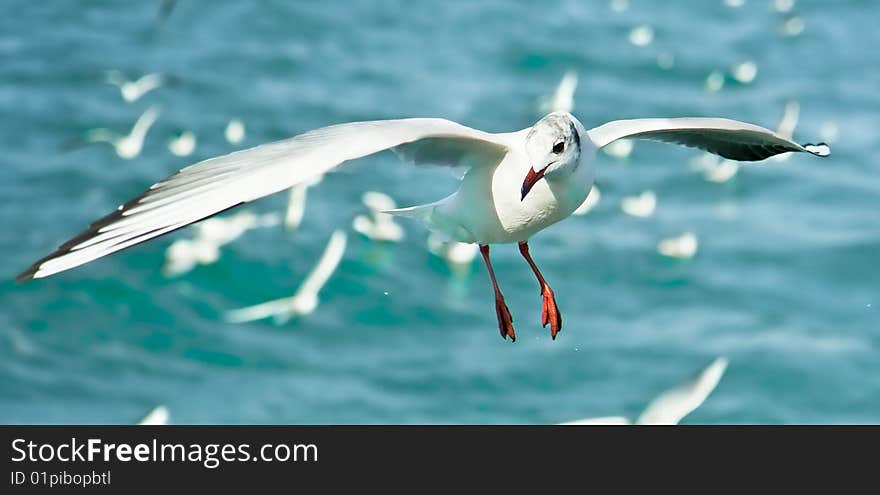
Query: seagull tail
{"type": "Point", "coordinates": [421, 212]}
{"type": "Point", "coordinates": [435, 220]}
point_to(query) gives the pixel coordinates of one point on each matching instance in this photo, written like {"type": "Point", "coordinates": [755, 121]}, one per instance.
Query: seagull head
{"type": "Point", "coordinates": [553, 146]}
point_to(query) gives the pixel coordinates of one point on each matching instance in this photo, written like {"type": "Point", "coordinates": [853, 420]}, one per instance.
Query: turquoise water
{"type": "Point", "coordinates": [786, 282]}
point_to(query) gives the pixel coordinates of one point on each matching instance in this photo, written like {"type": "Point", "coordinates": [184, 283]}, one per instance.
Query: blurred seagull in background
{"type": "Point", "coordinates": [127, 146]}
{"type": "Point", "coordinates": [184, 254]}
{"type": "Point", "coordinates": [518, 183]}
{"type": "Point", "coordinates": [158, 416]}
{"type": "Point", "coordinates": [204, 248]}
{"type": "Point", "coordinates": [641, 36]}
{"type": "Point", "coordinates": [715, 169]}
{"type": "Point", "coordinates": [459, 256]}
{"type": "Point", "coordinates": [305, 300]}
{"type": "Point", "coordinates": [133, 90]}
{"type": "Point", "coordinates": [183, 144]}
{"type": "Point", "coordinates": [682, 247]}
{"type": "Point", "coordinates": [670, 407]}
{"type": "Point", "coordinates": [619, 149]}
{"type": "Point", "coordinates": [722, 171]}
{"type": "Point", "coordinates": [563, 98]}
{"type": "Point", "coordinates": [641, 206]}
{"type": "Point", "coordinates": [234, 132]}
{"type": "Point", "coordinates": [378, 225]}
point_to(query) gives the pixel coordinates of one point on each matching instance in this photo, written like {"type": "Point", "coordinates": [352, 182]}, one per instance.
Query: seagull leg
{"type": "Point", "coordinates": [505, 322]}
{"type": "Point", "coordinates": [549, 311]}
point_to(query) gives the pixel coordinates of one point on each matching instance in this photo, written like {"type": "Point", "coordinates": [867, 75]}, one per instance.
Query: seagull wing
{"type": "Point", "coordinates": [673, 405]}
{"type": "Point", "coordinates": [260, 311]}
{"type": "Point", "coordinates": [144, 122]}
{"type": "Point", "coordinates": [100, 135]}
{"type": "Point", "coordinates": [149, 82]}
{"type": "Point", "coordinates": [217, 184]}
{"type": "Point", "coordinates": [326, 265]}
{"type": "Point", "coordinates": [728, 138]}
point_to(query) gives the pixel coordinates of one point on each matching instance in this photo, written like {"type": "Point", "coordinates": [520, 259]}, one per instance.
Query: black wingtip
{"type": "Point", "coordinates": [820, 149]}
{"type": "Point", "coordinates": [27, 274]}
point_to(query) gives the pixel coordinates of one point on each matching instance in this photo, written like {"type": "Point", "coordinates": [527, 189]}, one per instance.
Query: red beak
{"type": "Point", "coordinates": [531, 178]}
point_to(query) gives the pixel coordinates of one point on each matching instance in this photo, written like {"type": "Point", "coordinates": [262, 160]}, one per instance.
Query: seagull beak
{"type": "Point", "coordinates": [531, 178]}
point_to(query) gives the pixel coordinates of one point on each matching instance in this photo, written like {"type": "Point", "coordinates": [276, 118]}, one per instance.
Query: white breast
{"type": "Point", "coordinates": [487, 208]}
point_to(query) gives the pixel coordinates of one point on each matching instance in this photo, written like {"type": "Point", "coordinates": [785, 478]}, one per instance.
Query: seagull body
{"type": "Point", "coordinates": [670, 407]}
{"type": "Point", "coordinates": [305, 300]}
{"type": "Point", "coordinates": [518, 183]}
{"type": "Point", "coordinates": [127, 146]}
{"type": "Point", "coordinates": [133, 90]}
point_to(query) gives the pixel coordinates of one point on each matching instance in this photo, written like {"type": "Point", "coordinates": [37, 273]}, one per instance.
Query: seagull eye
{"type": "Point", "coordinates": [559, 147]}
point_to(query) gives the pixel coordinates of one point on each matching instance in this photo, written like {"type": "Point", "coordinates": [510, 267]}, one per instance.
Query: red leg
{"type": "Point", "coordinates": [549, 311]}
{"type": "Point", "coordinates": [505, 322]}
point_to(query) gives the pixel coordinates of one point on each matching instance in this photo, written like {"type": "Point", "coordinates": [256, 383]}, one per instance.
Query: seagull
{"type": "Point", "coordinates": [517, 184]}
{"type": "Point", "coordinates": [183, 143]}
{"type": "Point", "coordinates": [133, 90]}
{"type": "Point", "coordinates": [619, 149]}
{"type": "Point", "coordinates": [378, 225]}
{"type": "Point", "coordinates": [204, 248]}
{"type": "Point", "coordinates": [127, 146]}
{"type": "Point", "coordinates": [184, 254]}
{"type": "Point", "coordinates": [234, 131]}
{"type": "Point", "coordinates": [723, 171]}
{"type": "Point", "coordinates": [158, 416]}
{"type": "Point", "coordinates": [458, 255]}
{"type": "Point", "coordinates": [670, 407]}
{"type": "Point", "coordinates": [682, 247]}
{"type": "Point", "coordinates": [718, 170]}
{"type": "Point", "coordinates": [305, 300]}
{"type": "Point", "coordinates": [641, 206]}
{"type": "Point", "coordinates": [563, 98]}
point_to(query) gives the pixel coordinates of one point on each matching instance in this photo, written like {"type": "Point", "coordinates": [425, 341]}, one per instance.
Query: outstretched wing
{"type": "Point", "coordinates": [728, 138]}
{"type": "Point", "coordinates": [326, 265]}
{"type": "Point", "coordinates": [670, 407]}
{"type": "Point", "coordinates": [217, 184]}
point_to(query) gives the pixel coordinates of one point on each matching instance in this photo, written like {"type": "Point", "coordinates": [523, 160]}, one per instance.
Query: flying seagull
{"type": "Point", "coordinates": [305, 300]}
{"type": "Point", "coordinates": [517, 184]}
{"type": "Point", "coordinates": [133, 90]}
{"type": "Point", "coordinates": [158, 416]}
{"type": "Point", "coordinates": [670, 407]}
{"type": "Point", "coordinates": [129, 145]}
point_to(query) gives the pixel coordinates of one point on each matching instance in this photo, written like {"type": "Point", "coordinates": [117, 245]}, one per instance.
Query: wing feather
{"type": "Point", "coordinates": [217, 184]}
{"type": "Point", "coordinates": [728, 138]}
